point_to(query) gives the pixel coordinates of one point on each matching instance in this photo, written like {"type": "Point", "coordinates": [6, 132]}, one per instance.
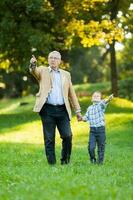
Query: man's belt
{"type": "Point", "coordinates": [48, 104]}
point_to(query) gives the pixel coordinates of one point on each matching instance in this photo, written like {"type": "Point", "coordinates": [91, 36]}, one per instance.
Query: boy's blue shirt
{"type": "Point", "coordinates": [95, 114]}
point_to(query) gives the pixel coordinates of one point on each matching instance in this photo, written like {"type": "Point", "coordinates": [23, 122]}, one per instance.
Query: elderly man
{"type": "Point", "coordinates": [53, 105]}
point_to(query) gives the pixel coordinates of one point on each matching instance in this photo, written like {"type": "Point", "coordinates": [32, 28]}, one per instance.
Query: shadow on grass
{"type": "Point", "coordinates": [9, 121]}
{"type": "Point", "coordinates": [22, 115]}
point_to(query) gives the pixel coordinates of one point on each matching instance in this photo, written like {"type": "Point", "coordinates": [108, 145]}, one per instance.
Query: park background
{"type": "Point", "coordinates": [95, 40]}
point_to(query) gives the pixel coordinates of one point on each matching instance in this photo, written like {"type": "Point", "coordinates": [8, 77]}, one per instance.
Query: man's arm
{"type": "Point", "coordinates": [74, 101]}
{"type": "Point", "coordinates": [33, 68]}
{"type": "Point", "coordinates": [85, 118]}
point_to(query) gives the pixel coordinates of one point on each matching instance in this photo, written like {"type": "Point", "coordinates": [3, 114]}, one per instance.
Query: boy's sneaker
{"type": "Point", "coordinates": [93, 161]}
{"type": "Point", "coordinates": [100, 162]}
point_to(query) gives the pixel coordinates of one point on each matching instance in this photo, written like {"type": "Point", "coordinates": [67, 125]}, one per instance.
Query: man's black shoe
{"type": "Point", "coordinates": [52, 163]}
{"type": "Point", "coordinates": [64, 162]}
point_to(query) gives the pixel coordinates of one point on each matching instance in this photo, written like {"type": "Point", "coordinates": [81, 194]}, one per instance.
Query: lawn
{"type": "Point", "coordinates": [25, 174]}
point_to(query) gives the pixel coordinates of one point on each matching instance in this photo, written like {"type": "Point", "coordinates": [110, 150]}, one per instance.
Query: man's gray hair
{"type": "Point", "coordinates": [55, 52]}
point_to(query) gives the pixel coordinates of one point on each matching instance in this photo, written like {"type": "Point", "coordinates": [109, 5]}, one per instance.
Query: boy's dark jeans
{"type": "Point", "coordinates": [97, 136]}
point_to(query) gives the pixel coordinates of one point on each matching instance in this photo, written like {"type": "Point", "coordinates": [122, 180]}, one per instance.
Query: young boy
{"type": "Point", "coordinates": [95, 116]}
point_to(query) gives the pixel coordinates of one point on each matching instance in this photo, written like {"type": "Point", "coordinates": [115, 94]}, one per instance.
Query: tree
{"type": "Point", "coordinates": [96, 22]}
{"type": "Point", "coordinates": [27, 27]}
{"type": "Point", "coordinates": [84, 65]}
{"type": "Point", "coordinates": [114, 7]}
{"type": "Point", "coordinates": [38, 26]}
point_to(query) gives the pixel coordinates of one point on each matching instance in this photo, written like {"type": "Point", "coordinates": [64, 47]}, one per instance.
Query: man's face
{"type": "Point", "coordinates": [54, 60]}
{"type": "Point", "coordinates": [96, 97]}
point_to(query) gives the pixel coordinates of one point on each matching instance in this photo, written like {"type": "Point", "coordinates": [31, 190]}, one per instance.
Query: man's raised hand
{"type": "Point", "coordinates": [33, 60]}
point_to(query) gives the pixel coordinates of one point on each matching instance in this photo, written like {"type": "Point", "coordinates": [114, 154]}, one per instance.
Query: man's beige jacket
{"type": "Point", "coordinates": [44, 78]}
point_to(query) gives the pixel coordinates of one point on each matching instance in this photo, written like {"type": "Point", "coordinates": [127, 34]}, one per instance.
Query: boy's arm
{"type": "Point", "coordinates": [85, 118]}
{"type": "Point", "coordinates": [105, 102]}
{"type": "Point", "coordinates": [109, 99]}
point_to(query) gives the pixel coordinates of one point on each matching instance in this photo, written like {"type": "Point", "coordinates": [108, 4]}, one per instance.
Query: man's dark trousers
{"type": "Point", "coordinates": [97, 136]}
{"type": "Point", "coordinates": [52, 117]}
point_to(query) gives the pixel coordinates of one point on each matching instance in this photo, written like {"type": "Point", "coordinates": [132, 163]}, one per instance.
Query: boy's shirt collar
{"type": "Point", "coordinates": [96, 102]}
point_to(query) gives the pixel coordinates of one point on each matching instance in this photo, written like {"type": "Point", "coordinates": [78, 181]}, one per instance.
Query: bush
{"type": "Point", "coordinates": [126, 88]}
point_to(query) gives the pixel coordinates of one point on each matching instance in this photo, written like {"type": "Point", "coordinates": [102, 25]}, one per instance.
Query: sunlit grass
{"type": "Point", "coordinates": [13, 105]}
{"type": "Point", "coordinates": [25, 174]}
{"type": "Point", "coordinates": [28, 133]}
{"type": "Point", "coordinates": [90, 88]}
{"type": "Point", "coordinates": [26, 127]}
{"type": "Point", "coordinates": [123, 103]}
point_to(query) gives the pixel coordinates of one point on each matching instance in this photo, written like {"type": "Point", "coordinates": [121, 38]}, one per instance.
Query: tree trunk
{"type": "Point", "coordinates": [113, 69]}
{"type": "Point", "coordinates": [114, 7]}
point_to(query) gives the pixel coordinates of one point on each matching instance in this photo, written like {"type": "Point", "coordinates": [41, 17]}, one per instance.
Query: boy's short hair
{"type": "Point", "coordinates": [97, 92]}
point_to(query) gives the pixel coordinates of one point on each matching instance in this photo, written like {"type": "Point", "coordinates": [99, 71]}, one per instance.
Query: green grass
{"type": "Point", "coordinates": [125, 89]}
{"type": "Point", "coordinates": [92, 87]}
{"type": "Point", "coordinates": [25, 174]}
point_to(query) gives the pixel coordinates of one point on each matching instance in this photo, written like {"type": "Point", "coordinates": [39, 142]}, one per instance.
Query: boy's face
{"type": "Point", "coordinates": [96, 97]}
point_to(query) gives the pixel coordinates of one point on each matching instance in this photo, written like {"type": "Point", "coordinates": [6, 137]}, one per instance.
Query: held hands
{"type": "Point", "coordinates": [79, 116]}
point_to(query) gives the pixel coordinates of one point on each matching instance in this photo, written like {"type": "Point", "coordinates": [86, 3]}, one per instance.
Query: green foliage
{"type": "Point", "coordinates": [26, 26]}
{"type": "Point", "coordinates": [125, 59]}
{"type": "Point", "coordinates": [85, 65]}
{"type": "Point", "coordinates": [125, 88]}
{"type": "Point", "coordinates": [36, 27]}
{"type": "Point", "coordinates": [17, 84]}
